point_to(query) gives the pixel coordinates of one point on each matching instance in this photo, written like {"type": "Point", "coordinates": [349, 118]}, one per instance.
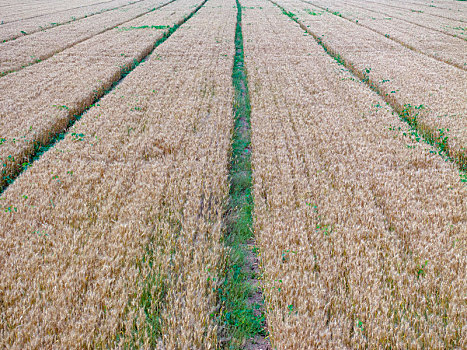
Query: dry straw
{"type": "Point", "coordinates": [427, 9]}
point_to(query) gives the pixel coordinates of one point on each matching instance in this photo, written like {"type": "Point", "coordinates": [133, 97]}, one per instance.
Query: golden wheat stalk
{"type": "Point", "coordinates": [361, 228]}
{"type": "Point", "coordinates": [113, 237]}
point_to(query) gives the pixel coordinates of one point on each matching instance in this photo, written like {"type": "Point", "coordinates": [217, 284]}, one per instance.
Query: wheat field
{"type": "Point", "coordinates": [233, 174]}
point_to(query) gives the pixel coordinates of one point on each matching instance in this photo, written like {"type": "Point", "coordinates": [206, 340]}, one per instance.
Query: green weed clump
{"type": "Point", "coordinates": [122, 29]}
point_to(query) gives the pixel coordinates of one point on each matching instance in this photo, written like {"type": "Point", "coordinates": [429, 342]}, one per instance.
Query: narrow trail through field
{"type": "Point", "coordinates": [41, 148]}
{"type": "Point", "coordinates": [57, 24]}
{"type": "Point", "coordinates": [397, 40]}
{"type": "Point", "coordinates": [72, 43]}
{"type": "Point", "coordinates": [408, 113]}
{"type": "Point", "coordinates": [244, 316]}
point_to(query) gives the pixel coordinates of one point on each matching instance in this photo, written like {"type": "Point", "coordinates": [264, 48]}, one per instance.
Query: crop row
{"type": "Point", "coordinates": [435, 44]}
{"type": "Point", "coordinates": [113, 237]}
{"type": "Point", "coordinates": [448, 26]}
{"type": "Point", "coordinates": [361, 227]}
{"type": "Point", "coordinates": [40, 101]}
{"type": "Point", "coordinates": [429, 94]}
{"type": "Point", "coordinates": [18, 28]}
{"type": "Point", "coordinates": [39, 46]}
{"type": "Point", "coordinates": [451, 10]}
{"type": "Point", "coordinates": [14, 11]}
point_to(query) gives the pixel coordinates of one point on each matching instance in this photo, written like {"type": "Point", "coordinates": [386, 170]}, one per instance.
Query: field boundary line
{"type": "Point", "coordinates": [77, 114]}
{"type": "Point", "coordinates": [406, 112]}
{"type": "Point", "coordinates": [242, 320]}
{"type": "Point", "coordinates": [396, 40]}
{"type": "Point", "coordinates": [46, 57]}
{"type": "Point", "coordinates": [405, 20]}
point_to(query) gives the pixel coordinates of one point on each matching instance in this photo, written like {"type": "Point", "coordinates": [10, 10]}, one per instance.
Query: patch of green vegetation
{"type": "Point", "coordinates": [77, 136]}
{"type": "Point", "coordinates": [421, 269]}
{"type": "Point", "coordinates": [239, 319]}
{"type": "Point", "coordinates": [289, 14]}
{"type": "Point", "coordinates": [122, 29]}
{"type": "Point", "coordinates": [438, 138]}
{"type": "Point", "coordinates": [61, 107]}
{"type": "Point", "coordinates": [151, 301]}
{"type": "Point", "coordinates": [366, 75]}
{"type": "Point", "coordinates": [313, 13]}
{"type": "Point", "coordinates": [338, 58]}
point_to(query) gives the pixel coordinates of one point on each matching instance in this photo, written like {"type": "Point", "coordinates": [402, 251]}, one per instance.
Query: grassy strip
{"type": "Point", "coordinates": [8, 177]}
{"type": "Point", "coordinates": [408, 113]}
{"type": "Point", "coordinates": [151, 302]}
{"type": "Point", "coordinates": [239, 318]}
{"type": "Point", "coordinates": [124, 29]}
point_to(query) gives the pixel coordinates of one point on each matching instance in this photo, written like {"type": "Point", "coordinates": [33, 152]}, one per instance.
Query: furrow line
{"type": "Point", "coordinates": [432, 5]}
